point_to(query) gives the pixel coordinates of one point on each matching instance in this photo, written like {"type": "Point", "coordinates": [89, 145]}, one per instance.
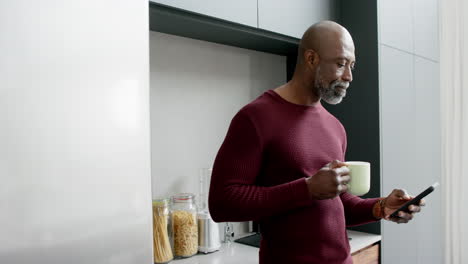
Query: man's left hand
{"type": "Point", "coordinates": [395, 200]}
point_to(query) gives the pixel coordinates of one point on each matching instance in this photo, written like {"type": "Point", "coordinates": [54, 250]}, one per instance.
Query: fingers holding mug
{"type": "Point", "coordinates": [343, 183]}
{"type": "Point", "coordinates": [345, 179]}
{"type": "Point", "coordinates": [342, 179]}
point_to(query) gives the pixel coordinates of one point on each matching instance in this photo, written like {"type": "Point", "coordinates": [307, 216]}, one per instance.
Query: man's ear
{"type": "Point", "coordinates": [311, 57]}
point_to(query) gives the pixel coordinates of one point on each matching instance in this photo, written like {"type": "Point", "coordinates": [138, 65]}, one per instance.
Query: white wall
{"type": "Point", "coordinates": [196, 89]}
{"type": "Point", "coordinates": [410, 124]}
{"type": "Point", "coordinates": [293, 17]}
{"type": "Point", "coordinates": [74, 132]}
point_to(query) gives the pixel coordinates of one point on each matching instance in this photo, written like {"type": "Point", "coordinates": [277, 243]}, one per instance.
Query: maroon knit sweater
{"type": "Point", "coordinates": [259, 174]}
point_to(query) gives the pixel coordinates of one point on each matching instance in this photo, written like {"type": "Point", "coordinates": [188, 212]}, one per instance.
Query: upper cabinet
{"type": "Point", "coordinates": [240, 11]}
{"type": "Point", "coordinates": [411, 26]}
{"type": "Point", "coordinates": [396, 24]}
{"type": "Point", "coordinates": [293, 17]}
{"type": "Point", "coordinates": [426, 29]}
{"type": "Point", "coordinates": [290, 18]}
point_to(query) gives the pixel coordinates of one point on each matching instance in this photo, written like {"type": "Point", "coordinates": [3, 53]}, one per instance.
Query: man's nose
{"type": "Point", "coordinates": [347, 75]}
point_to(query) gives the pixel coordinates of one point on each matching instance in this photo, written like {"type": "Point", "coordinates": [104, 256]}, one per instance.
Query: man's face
{"type": "Point", "coordinates": [334, 73]}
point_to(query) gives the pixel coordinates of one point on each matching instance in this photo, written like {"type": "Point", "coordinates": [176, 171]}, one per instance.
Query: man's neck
{"type": "Point", "coordinates": [298, 92]}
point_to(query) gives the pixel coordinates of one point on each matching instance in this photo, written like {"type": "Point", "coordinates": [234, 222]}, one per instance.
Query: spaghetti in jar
{"type": "Point", "coordinates": [161, 232]}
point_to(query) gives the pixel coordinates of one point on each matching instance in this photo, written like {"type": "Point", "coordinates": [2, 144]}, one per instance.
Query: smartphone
{"type": "Point", "coordinates": [415, 200]}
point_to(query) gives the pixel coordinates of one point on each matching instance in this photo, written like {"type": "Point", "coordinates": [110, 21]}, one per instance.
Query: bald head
{"type": "Point", "coordinates": [325, 62]}
{"type": "Point", "coordinates": [325, 38]}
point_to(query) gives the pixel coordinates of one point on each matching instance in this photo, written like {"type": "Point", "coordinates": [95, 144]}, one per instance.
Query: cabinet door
{"type": "Point", "coordinates": [426, 30]}
{"type": "Point", "coordinates": [369, 255]}
{"type": "Point", "coordinates": [75, 163]}
{"type": "Point", "coordinates": [399, 147]}
{"type": "Point", "coordinates": [240, 11]}
{"type": "Point", "coordinates": [293, 17]}
{"type": "Point", "coordinates": [396, 27]}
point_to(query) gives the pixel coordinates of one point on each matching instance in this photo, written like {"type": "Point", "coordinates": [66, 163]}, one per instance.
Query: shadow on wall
{"type": "Point", "coordinates": [265, 76]}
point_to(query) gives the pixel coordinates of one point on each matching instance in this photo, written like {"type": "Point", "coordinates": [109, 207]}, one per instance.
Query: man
{"type": "Point", "coordinates": [281, 161]}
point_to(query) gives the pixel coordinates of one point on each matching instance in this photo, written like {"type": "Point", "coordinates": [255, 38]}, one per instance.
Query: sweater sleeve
{"type": "Point", "coordinates": [358, 211]}
{"type": "Point", "coordinates": [234, 195]}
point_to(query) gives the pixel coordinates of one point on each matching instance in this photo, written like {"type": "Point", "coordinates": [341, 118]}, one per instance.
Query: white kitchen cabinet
{"type": "Point", "coordinates": [396, 24]}
{"type": "Point", "coordinates": [426, 28]}
{"type": "Point", "coordinates": [240, 11]}
{"type": "Point", "coordinates": [398, 122]}
{"type": "Point", "coordinates": [293, 17]}
{"type": "Point", "coordinates": [411, 147]}
{"type": "Point", "coordinates": [411, 26]}
{"type": "Point", "coordinates": [427, 160]}
{"type": "Point", "coordinates": [398, 119]}
{"type": "Point", "coordinates": [74, 136]}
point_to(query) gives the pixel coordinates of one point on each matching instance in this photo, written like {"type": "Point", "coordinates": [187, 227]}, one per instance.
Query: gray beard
{"type": "Point", "coordinates": [330, 93]}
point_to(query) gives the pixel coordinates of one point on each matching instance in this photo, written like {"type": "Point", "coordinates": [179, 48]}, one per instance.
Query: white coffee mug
{"type": "Point", "coordinates": [360, 177]}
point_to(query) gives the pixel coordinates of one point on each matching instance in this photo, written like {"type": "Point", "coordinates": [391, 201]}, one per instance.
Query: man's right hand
{"type": "Point", "coordinates": [330, 181]}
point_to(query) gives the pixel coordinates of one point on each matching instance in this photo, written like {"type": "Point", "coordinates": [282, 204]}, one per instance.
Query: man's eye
{"type": "Point", "coordinates": [340, 65]}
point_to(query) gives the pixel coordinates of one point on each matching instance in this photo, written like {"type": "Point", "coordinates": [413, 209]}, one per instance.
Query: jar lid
{"type": "Point", "coordinates": [160, 202]}
{"type": "Point", "coordinates": [182, 197]}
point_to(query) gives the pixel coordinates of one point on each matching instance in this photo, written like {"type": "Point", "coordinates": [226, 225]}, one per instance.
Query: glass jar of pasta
{"type": "Point", "coordinates": [184, 224]}
{"type": "Point", "coordinates": [162, 231]}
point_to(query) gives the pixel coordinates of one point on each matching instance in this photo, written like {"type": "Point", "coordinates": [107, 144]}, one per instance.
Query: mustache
{"type": "Point", "coordinates": [340, 84]}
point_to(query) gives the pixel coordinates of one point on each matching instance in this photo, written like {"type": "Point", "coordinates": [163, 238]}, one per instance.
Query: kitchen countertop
{"type": "Point", "coordinates": [360, 240]}
{"type": "Point", "coordinates": [235, 253]}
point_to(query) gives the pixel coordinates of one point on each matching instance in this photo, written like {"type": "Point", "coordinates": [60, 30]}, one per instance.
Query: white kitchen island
{"type": "Point", "coordinates": [235, 253]}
